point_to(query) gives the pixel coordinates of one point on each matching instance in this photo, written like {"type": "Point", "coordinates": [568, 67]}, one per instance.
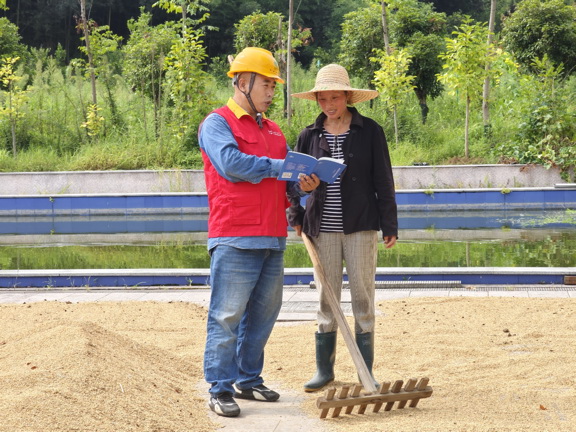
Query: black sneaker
{"type": "Point", "coordinates": [259, 393]}
{"type": "Point", "coordinates": [224, 404]}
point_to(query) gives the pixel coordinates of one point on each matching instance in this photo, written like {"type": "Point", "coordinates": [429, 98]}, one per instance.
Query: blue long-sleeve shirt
{"type": "Point", "coordinates": [218, 142]}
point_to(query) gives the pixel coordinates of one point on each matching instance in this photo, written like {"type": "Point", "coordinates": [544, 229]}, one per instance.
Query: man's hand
{"type": "Point", "coordinates": [298, 229]}
{"type": "Point", "coordinates": [309, 183]}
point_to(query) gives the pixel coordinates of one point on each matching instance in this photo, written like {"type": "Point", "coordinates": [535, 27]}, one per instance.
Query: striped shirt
{"type": "Point", "coordinates": [332, 213]}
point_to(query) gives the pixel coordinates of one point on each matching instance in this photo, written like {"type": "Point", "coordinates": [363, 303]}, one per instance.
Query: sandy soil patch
{"type": "Point", "coordinates": [495, 364]}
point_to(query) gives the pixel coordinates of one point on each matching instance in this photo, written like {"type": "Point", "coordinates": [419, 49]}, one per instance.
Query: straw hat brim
{"type": "Point", "coordinates": [354, 95]}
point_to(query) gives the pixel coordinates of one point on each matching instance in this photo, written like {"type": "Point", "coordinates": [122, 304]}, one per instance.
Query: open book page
{"type": "Point", "coordinates": [296, 164]}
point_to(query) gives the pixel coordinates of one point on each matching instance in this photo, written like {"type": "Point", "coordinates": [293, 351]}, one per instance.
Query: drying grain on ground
{"type": "Point", "coordinates": [495, 364]}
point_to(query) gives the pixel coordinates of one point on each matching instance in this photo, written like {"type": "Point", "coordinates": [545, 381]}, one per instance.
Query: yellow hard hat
{"type": "Point", "coordinates": [256, 60]}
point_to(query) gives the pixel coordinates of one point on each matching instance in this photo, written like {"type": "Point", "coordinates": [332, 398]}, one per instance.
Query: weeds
{"type": "Point", "coordinates": [526, 127]}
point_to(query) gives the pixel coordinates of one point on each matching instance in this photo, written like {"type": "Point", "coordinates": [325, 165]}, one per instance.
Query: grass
{"type": "Point", "coordinates": [51, 138]}
{"type": "Point", "coordinates": [551, 249]}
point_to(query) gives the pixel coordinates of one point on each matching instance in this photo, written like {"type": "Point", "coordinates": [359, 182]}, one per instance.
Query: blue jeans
{"type": "Point", "coordinates": [244, 304]}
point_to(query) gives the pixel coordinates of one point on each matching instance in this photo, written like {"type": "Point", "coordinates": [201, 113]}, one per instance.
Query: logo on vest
{"type": "Point", "coordinates": [271, 132]}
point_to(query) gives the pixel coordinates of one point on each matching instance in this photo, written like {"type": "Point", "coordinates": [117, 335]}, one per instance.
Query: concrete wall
{"type": "Point", "coordinates": [417, 177]}
{"type": "Point", "coordinates": [101, 182]}
{"type": "Point", "coordinates": [475, 176]}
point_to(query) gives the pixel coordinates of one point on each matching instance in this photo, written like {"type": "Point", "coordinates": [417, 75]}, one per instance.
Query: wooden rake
{"type": "Point", "coordinates": [351, 396]}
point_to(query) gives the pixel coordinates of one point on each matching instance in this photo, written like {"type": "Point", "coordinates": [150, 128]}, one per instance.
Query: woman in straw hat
{"type": "Point", "coordinates": [343, 219]}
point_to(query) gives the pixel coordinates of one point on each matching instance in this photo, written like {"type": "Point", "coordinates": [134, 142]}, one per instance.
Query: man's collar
{"type": "Point", "coordinates": [237, 109]}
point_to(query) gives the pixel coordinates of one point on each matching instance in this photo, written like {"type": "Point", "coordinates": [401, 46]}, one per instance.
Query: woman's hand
{"type": "Point", "coordinates": [298, 229]}
{"type": "Point", "coordinates": [309, 183]}
{"type": "Point", "coordinates": [389, 241]}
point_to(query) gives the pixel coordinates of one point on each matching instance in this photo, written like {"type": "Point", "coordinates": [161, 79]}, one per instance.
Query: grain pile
{"type": "Point", "coordinates": [495, 364]}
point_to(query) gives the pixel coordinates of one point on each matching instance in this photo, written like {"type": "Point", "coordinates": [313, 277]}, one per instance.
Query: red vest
{"type": "Point", "coordinates": [245, 209]}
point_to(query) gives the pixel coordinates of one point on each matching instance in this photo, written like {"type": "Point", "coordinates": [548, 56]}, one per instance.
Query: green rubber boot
{"type": "Point", "coordinates": [325, 357]}
{"type": "Point", "coordinates": [365, 342]}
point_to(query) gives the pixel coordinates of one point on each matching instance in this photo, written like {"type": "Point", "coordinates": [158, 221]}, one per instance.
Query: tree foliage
{"type": "Point", "coordinates": [13, 98]}
{"type": "Point", "coordinates": [362, 33]}
{"type": "Point", "coordinates": [268, 31]}
{"type": "Point", "coordinates": [10, 45]}
{"type": "Point", "coordinates": [392, 79]}
{"type": "Point", "coordinates": [104, 46]}
{"type": "Point", "coordinates": [185, 80]}
{"type": "Point", "coordinates": [418, 28]}
{"type": "Point", "coordinates": [144, 55]}
{"type": "Point", "coordinates": [547, 135]}
{"type": "Point", "coordinates": [325, 24]}
{"type": "Point", "coordinates": [49, 23]}
{"type": "Point", "coordinates": [542, 27]}
{"type": "Point", "coordinates": [465, 66]}
{"type": "Point", "coordinates": [322, 19]}
{"type": "Point", "coordinates": [159, 71]}
{"type": "Point", "coordinates": [185, 84]}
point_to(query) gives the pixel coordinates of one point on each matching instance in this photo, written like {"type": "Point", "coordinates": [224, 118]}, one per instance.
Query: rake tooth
{"type": "Point", "coordinates": [395, 389]}
{"type": "Point", "coordinates": [342, 395]}
{"type": "Point", "coordinates": [421, 386]}
{"type": "Point", "coordinates": [410, 385]}
{"type": "Point", "coordinates": [383, 390]}
{"type": "Point", "coordinates": [329, 396]}
{"type": "Point", "coordinates": [356, 389]}
{"type": "Point", "coordinates": [362, 408]}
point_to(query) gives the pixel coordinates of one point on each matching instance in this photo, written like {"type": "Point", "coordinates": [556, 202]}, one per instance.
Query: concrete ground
{"type": "Point", "coordinates": [299, 302]}
{"type": "Point", "coordinates": [299, 305]}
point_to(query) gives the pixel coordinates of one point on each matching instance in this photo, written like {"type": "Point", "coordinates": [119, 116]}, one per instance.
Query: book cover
{"type": "Point", "coordinates": [296, 164]}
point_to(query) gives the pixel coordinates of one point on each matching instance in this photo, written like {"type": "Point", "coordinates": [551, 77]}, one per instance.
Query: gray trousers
{"type": "Point", "coordinates": [359, 251]}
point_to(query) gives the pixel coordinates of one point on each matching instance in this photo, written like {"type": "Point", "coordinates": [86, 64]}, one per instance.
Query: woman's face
{"type": "Point", "coordinates": [332, 103]}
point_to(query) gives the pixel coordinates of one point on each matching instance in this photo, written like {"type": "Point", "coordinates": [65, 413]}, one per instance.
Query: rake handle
{"type": "Point", "coordinates": [361, 368]}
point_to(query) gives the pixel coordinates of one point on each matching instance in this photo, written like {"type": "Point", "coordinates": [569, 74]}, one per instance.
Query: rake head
{"type": "Point", "coordinates": [350, 396]}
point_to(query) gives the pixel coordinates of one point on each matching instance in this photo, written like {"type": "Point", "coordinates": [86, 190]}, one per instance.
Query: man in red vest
{"type": "Point", "coordinates": [243, 153]}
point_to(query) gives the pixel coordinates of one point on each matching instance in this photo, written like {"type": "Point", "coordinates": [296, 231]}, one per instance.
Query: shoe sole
{"type": "Point", "coordinates": [216, 408]}
{"type": "Point", "coordinates": [317, 389]}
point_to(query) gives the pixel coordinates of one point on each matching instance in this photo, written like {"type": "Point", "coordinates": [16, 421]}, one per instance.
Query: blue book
{"type": "Point", "coordinates": [296, 164]}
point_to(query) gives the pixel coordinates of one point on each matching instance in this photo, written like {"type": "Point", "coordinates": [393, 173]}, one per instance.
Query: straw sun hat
{"type": "Point", "coordinates": [334, 77]}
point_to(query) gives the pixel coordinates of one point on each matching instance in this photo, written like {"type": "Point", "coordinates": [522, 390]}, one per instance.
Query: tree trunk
{"type": "Point", "coordinates": [86, 32]}
{"type": "Point", "coordinates": [158, 101]}
{"type": "Point", "coordinates": [13, 131]}
{"type": "Point", "coordinates": [387, 46]}
{"type": "Point", "coordinates": [12, 119]}
{"type": "Point", "coordinates": [466, 127]}
{"type": "Point", "coordinates": [486, 92]}
{"type": "Point", "coordinates": [144, 117]}
{"type": "Point", "coordinates": [68, 30]}
{"type": "Point", "coordinates": [184, 13]}
{"type": "Point", "coordinates": [288, 85]}
{"type": "Point", "coordinates": [423, 101]}
{"type": "Point", "coordinates": [385, 27]}
{"type": "Point", "coordinates": [396, 133]}
{"type": "Point", "coordinates": [18, 14]}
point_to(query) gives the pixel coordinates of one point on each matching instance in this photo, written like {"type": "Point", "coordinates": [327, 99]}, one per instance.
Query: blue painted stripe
{"type": "Point", "coordinates": [87, 280]}
{"type": "Point", "coordinates": [179, 203]}
{"type": "Point", "coordinates": [123, 223]}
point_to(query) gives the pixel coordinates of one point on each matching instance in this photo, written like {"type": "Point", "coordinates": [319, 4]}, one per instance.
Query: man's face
{"type": "Point", "coordinates": [262, 91]}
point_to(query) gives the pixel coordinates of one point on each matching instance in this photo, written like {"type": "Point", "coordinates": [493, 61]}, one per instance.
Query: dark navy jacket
{"type": "Point", "coordinates": [367, 184]}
